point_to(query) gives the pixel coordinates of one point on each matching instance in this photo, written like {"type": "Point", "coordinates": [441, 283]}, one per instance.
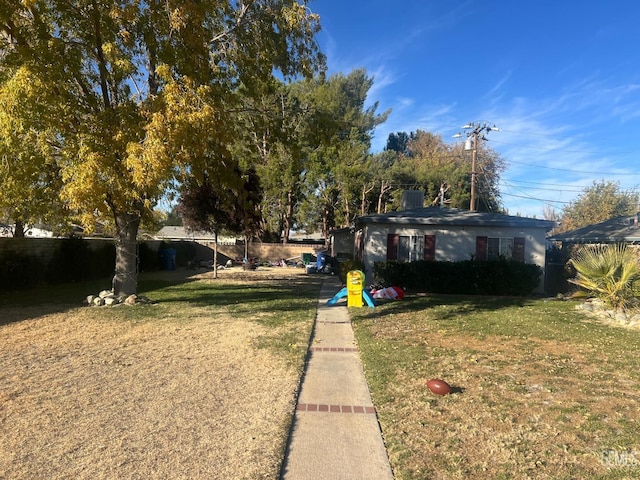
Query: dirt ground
{"type": "Point", "coordinates": [84, 396]}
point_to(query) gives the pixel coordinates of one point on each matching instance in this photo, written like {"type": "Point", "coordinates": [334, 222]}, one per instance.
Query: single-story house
{"type": "Point", "coordinates": [447, 234]}
{"type": "Point", "coordinates": [181, 233]}
{"type": "Point", "coordinates": [624, 229]}
{"type": "Point", "coordinates": [35, 231]}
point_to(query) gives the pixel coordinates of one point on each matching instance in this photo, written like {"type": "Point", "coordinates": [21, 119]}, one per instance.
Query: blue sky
{"type": "Point", "coordinates": [560, 78]}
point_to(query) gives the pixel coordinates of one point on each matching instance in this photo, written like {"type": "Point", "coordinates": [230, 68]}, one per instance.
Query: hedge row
{"type": "Point", "coordinates": [501, 277]}
{"type": "Point", "coordinates": [74, 261]}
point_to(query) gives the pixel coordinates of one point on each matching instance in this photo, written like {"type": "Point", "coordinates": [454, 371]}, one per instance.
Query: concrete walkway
{"type": "Point", "coordinates": [335, 433]}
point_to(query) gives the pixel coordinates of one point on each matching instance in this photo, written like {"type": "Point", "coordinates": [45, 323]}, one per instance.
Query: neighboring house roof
{"type": "Point", "coordinates": [180, 233]}
{"type": "Point", "coordinates": [453, 216]}
{"type": "Point", "coordinates": [618, 229]}
{"type": "Point", "coordinates": [301, 236]}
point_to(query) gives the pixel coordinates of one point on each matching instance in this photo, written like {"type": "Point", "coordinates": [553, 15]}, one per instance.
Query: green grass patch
{"type": "Point", "coordinates": [541, 391]}
{"type": "Point", "coordinates": [285, 309]}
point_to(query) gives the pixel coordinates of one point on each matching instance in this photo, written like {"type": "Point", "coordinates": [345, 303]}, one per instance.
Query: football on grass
{"type": "Point", "coordinates": [439, 387]}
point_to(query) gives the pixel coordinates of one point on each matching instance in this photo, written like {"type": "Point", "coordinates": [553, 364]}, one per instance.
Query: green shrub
{"type": "Point", "coordinates": [71, 262]}
{"type": "Point", "coordinates": [502, 277]}
{"type": "Point", "coordinates": [608, 272]}
{"type": "Point", "coordinates": [74, 261]}
{"type": "Point", "coordinates": [18, 271]}
{"type": "Point", "coordinates": [348, 265]}
{"type": "Point", "coordinates": [103, 261]}
{"type": "Point", "coordinates": [148, 260]}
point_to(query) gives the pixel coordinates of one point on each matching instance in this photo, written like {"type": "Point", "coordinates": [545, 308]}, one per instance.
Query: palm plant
{"type": "Point", "coordinates": [608, 272]}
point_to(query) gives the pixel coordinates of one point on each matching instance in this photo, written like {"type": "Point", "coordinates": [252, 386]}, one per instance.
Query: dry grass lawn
{"type": "Point", "coordinates": [543, 392]}
{"type": "Point", "coordinates": [183, 389]}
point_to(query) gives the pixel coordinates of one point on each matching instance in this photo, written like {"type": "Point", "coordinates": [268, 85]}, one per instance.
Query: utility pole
{"type": "Point", "coordinates": [474, 134]}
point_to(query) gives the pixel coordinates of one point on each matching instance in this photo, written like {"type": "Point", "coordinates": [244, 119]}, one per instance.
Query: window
{"type": "Point", "coordinates": [493, 248]}
{"type": "Point", "coordinates": [499, 247]}
{"type": "Point", "coordinates": [409, 248]}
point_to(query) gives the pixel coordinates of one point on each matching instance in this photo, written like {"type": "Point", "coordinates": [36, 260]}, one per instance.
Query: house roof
{"type": "Point", "coordinates": [618, 229]}
{"type": "Point", "coordinates": [453, 216]}
{"type": "Point", "coordinates": [180, 233]}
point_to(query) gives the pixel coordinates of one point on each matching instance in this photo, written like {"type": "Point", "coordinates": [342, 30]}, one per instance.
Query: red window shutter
{"type": "Point", "coordinates": [481, 249]}
{"type": "Point", "coordinates": [430, 247]}
{"type": "Point", "coordinates": [518, 249]}
{"type": "Point", "coordinates": [392, 246]}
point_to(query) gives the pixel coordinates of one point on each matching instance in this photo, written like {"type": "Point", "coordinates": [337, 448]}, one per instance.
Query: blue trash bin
{"type": "Point", "coordinates": [321, 261]}
{"type": "Point", "coordinates": [169, 259]}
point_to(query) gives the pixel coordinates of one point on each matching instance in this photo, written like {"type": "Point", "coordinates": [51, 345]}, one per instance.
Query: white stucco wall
{"type": "Point", "coordinates": [452, 244]}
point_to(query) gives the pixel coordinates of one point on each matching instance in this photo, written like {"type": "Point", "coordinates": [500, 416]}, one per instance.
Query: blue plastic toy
{"type": "Point", "coordinates": [366, 296]}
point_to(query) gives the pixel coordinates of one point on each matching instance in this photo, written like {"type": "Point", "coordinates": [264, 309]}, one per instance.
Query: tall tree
{"type": "Point", "coordinates": [399, 142]}
{"type": "Point", "coordinates": [134, 97]}
{"type": "Point", "coordinates": [209, 206]}
{"type": "Point", "coordinates": [343, 127]}
{"type": "Point", "coordinates": [272, 139]}
{"type": "Point", "coordinates": [599, 202]}
{"type": "Point", "coordinates": [443, 171]}
{"type": "Point", "coordinates": [383, 168]}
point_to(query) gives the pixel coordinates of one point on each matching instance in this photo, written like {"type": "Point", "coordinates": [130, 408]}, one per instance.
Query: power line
{"type": "Point", "coordinates": [576, 171]}
{"type": "Point", "coordinates": [554, 149]}
{"type": "Point", "coordinates": [549, 184]}
{"type": "Point", "coordinates": [570, 190]}
{"type": "Point", "coordinates": [528, 197]}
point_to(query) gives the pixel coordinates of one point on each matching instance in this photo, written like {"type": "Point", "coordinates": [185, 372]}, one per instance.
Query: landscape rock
{"type": "Point", "coordinates": [621, 317]}
{"type": "Point", "coordinates": [599, 310]}
{"type": "Point", "coordinates": [108, 298]}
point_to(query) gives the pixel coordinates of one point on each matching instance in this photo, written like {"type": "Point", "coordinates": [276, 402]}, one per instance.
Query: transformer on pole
{"type": "Point", "coordinates": [474, 132]}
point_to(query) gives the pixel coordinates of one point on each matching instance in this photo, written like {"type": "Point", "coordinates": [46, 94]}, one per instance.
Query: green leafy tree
{"type": "Point", "coordinates": [172, 218]}
{"type": "Point", "coordinates": [443, 172]}
{"type": "Point", "coordinates": [128, 99]}
{"type": "Point", "coordinates": [343, 127]}
{"type": "Point", "coordinates": [309, 141]}
{"type": "Point", "coordinates": [273, 139]}
{"type": "Point", "coordinates": [599, 202]}
{"type": "Point", "coordinates": [383, 169]}
{"type": "Point", "coordinates": [398, 142]}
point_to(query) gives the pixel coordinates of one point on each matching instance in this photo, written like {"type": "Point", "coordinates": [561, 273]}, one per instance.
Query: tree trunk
{"type": "Point", "coordinates": [325, 225]}
{"type": "Point", "coordinates": [347, 212]}
{"type": "Point", "coordinates": [384, 188]}
{"type": "Point", "coordinates": [125, 280]}
{"type": "Point", "coordinates": [215, 255]}
{"type": "Point", "coordinates": [18, 229]}
{"type": "Point", "coordinates": [288, 219]}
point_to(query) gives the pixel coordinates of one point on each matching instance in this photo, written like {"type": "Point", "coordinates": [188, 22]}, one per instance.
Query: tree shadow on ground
{"type": "Point", "coordinates": [166, 287]}
{"type": "Point", "coordinates": [237, 296]}
{"type": "Point", "coordinates": [19, 305]}
{"type": "Point", "coordinates": [458, 305]}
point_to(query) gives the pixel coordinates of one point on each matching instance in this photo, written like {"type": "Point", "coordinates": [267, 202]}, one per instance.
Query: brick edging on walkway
{"type": "Point", "coordinates": [319, 407]}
